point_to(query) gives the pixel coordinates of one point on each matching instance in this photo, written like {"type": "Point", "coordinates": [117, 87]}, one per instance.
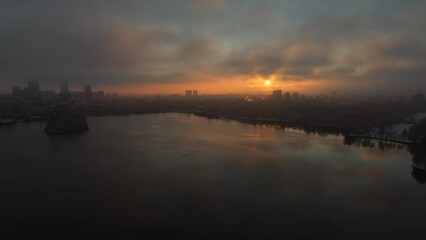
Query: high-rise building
{"type": "Point", "coordinates": [296, 95]}
{"type": "Point", "coordinates": [16, 91]}
{"type": "Point", "coordinates": [33, 85]}
{"type": "Point", "coordinates": [32, 91]}
{"type": "Point", "coordinates": [188, 93]}
{"type": "Point", "coordinates": [194, 92]}
{"type": "Point", "coordinates": [64, 93]}
{"type": "Point", "coordinates": [88, 88]}
{"type": "Point", "coordinates": [88, 92]}
{"type": "Point", "coordinates": [287, 95]}
{"type": "Point", "coordinates": [48, 95]}
{"type": "Point", "coordinates": [64, 88]}
{"type": "Point", "coordinates": [277, 94]}
{"type": "Point", "coordinates": [33, 88]}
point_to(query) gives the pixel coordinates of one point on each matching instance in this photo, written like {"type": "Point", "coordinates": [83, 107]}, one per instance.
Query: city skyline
{"type": "Point", "coordinates": [64, 88]}
{"type": "Point", "coordinates": [213, 119]}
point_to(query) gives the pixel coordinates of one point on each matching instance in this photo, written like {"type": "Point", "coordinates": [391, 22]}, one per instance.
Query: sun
{"type": "Point", "coordinates": [267, 83]}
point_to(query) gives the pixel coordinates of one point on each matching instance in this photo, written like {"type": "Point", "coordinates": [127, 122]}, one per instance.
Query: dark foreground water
{"type": "Point", "coordinates": [171, 175]}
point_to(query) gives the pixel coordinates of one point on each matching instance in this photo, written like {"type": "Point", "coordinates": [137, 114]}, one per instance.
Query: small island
{"type": "Point", "coordinates": [66, 119]}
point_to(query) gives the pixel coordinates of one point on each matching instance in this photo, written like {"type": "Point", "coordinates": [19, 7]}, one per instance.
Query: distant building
{"type": "Point", "coordinates": [296, 95]}
{"type": "Point", "coordinates": [24, 92]}
{"type": "Point", "coordinates": [195, 93]}
{"type": "Point", "coordinates": [418, 97]}
{"type": "Point", "coordinates": [88, 92]}
{"type": "Point", "coordinates": [287, 95]}
{"type": "Point", "coordinates": [88, 88]}
{"type": "Point", "coordinates": [77, 96]}
{"type": "Point", "coordinates": [111, 95]}
{"type": "Point", "coordinates": [101, 94]}
{"type": "Point", "coordinates": [188, 93]}
{"type": "Point", "coordinates": [48, 95]}
{"type": "Point", "coordinates": [31, 91]}
{"type": "Point", "coordinates": [33, 88]}
{"type": "Point", "coordinates": [64, 88]}
{"type": "Point", "coordinates": [16, 91]}
{"type": "Point", "coordinates": [64, 93]}
{"type": "Point", "coordinates": [277, 94]}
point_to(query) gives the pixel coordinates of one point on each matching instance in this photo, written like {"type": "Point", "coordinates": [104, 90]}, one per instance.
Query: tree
{"type": "Point", "coordinates": [417, 132]}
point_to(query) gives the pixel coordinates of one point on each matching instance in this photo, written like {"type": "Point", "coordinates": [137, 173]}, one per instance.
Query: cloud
{"type": "Point", "coordinates": [376, 43]}
{"type": "Point", "coordinates": [199, 48]}
{"type": "Point", "coordinates": [95, 47]}
{"type": "Point", "coordinates": [209, 5]}
{"type": "Point", "coordinates": [345, 49]}
{"type": "Point", "coordinates": [298, 59]}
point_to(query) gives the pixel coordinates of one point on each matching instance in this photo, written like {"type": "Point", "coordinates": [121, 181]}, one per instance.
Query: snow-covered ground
{"type": "Point", "coordinates": [416, 117]}
{"type": "Point", "coordinates": [398, 129]}
{"type": "Point", "coordinates": [419, 116]}
{"type": "Point", "coordinates": [393, 132]}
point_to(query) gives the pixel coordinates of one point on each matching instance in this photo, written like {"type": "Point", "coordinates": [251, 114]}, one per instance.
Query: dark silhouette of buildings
{"type": "Point", "coordinates": [16, 91]}
{"type": "Point", "coordinates": [277, 94]}
{"type": "Point", "coordinates": [100, 95]}
{"type": "Point", "coordinates": [191, 93]}
{"type": "Point", "coordinates": [88, 92]}
{"type": "Point", "coordinates": [418, 97]}
{"type": "Point", "coordinates": [64, 88]}
{"type": "Point", "coordinates": [64, 94]}
{"type": "Point", "coordinates": [287, 95]}
{"type": "Point", "coordinates": [32, 91]}
{"type": "Point", "coordinates": [296, 95]}
{"type": "Point", "coordinates": [33, 94]}
{"type": "Point", "coordinates": [33, 88]}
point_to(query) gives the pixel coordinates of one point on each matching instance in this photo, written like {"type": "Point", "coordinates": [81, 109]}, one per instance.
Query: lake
{"type": "Point", "coordinates": [173, 175]}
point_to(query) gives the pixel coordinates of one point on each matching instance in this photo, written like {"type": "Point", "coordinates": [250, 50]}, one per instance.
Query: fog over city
{"type": "Point", "coordinates": [217, 46]}
{"type": "Point", "coordinates": [212, 119]}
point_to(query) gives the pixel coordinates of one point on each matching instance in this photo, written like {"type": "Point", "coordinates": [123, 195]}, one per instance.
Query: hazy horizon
{"type": "Point", "coordinates": [166, 119]}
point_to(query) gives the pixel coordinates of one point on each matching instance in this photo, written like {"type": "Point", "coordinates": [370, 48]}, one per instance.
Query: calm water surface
{"type": "Point", "coordinates": [171, 175]}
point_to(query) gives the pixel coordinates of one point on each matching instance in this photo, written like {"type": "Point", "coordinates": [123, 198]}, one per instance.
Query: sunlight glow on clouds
{"type": "Point", "coordinates": [217, 45]}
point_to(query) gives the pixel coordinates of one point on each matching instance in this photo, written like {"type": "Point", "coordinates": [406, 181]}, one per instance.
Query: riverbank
{"type": "Point", "coordinates": [381, 138]}
{"type": "Point", "coordinates": [271, 121]}
{"type": "Point", "coordinates": [345, 131]}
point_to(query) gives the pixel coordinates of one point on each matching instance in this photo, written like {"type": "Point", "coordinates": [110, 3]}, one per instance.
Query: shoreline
{"type": "Point", "coordinates": [408, 142]}
{"type": "Point", "coordinates": [337, 129]}
{"type": "Point", "coordinates": [342, 129]}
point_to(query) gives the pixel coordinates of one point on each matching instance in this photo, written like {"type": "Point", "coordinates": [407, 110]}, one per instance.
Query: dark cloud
{"type": "Point", "coordinates": [87, 44]}
{"type": "Point", "coordinates": [379, 43]}
{"type": "Point", "coordinates": [198, 49]}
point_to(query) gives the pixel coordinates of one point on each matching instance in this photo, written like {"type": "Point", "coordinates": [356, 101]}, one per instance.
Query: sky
{"type": "Point", "coordinates": [215, 46]}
